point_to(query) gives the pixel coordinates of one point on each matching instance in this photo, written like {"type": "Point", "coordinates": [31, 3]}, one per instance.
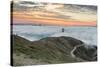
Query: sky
{"type": "Point", "coordinates": [29, 12]}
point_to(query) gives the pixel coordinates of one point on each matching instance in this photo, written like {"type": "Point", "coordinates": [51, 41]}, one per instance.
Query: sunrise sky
{"type": "Point", "coordinates": [29, 12]}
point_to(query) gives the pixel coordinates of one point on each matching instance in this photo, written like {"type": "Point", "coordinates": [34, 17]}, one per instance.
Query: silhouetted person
{"type": "Point", "coordinates": [63, 30]}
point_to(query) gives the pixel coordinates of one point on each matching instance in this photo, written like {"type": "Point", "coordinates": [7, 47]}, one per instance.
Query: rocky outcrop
{"type": "Point", "coordinates": [52, 50]}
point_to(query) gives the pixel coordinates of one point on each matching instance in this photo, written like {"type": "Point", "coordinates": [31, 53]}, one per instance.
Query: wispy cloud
{"type": "Point", "coordinates": [46, 12]}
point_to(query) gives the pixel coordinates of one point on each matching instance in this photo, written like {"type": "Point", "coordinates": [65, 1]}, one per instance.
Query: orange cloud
{"type": "Point", "coordinates": [34, 18]}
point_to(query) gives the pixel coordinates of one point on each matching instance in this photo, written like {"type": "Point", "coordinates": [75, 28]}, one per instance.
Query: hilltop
{"type": "Point", "coordinates": [51, 50]}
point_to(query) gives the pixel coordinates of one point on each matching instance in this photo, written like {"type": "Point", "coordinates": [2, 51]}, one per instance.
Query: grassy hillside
{"type": "Point", "coordinates": [50, 50]}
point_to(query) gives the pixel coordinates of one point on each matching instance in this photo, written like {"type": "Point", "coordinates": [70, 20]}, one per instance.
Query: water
{"type": "Point", "coordinates": [32, 33]}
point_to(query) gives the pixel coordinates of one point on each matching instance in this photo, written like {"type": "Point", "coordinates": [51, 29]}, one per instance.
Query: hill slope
{"type": "Point", "coordinates": [51, 50]}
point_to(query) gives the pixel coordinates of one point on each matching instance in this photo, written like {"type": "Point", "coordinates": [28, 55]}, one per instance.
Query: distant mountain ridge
{"type": "Point", "coordinates": [51, 50]}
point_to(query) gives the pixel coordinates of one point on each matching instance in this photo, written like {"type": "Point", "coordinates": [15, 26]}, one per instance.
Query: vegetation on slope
{"type": "Point", "coordinates": [48, 50]}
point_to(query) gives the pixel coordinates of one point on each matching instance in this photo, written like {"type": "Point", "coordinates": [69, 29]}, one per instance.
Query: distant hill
{"type": "Point", "coordinates": [51, 50]}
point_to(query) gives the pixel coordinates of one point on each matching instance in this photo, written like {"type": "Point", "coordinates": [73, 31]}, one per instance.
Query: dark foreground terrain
{"type": "Point", "coordinates": [51, 50]}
